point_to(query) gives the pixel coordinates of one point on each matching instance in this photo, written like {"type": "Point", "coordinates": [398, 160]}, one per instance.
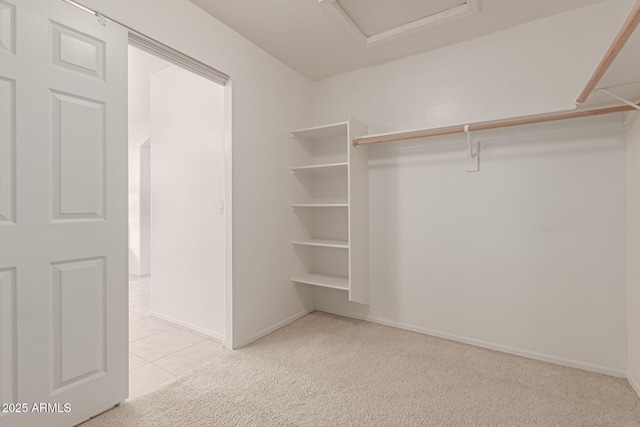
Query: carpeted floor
{"type": "Point", "coordinates": [325, 370]}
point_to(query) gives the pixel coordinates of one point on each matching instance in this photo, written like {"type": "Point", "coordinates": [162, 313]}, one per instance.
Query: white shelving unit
{"type": "Point", "coordinates": [330, 204]}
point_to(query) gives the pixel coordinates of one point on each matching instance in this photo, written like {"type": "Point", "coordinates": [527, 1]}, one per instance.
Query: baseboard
{"type": "Point", "coordinates": [635, 385]}
{"type": "Point", "coordinates": [211, 334]}
{"type": "Point", "coordinates": [484, 344]}
{"type": "Point", "coordinates": [272, 328]}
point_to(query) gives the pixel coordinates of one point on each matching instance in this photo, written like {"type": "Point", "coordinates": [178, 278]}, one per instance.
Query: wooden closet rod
{"type": "Point", "coordinates": [618, 43]}
{"type": "Point", "coordinates": [625, 32]}
{"type": "Point", "coordinates": [373, 139]}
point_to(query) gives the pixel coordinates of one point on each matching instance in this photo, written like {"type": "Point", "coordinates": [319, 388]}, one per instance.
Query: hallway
{"type": "Point", "coordinates": [160, 351]}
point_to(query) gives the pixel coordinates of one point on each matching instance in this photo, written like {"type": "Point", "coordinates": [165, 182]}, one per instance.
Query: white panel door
{"type": "Point", "coordinates": [63, 214]}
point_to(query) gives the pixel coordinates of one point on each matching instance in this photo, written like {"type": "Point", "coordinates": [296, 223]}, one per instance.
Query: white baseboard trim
{"type": "Point", "coordinates": [211, 334]}
{"type": "Point", "coordinates": [478, 343]}
{"type": "Point", "coordinates": [273, 328]}
{"type": "Point", "coordinates": [635, 385]}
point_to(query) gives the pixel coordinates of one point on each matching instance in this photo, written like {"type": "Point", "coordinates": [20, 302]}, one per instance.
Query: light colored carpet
{"type": "Point", "coordinates": [325, 370]}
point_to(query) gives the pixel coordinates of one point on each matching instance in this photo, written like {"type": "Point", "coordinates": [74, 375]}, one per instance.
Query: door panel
{"type": "Point", "coordinates": [7, 25]}
{"type": "Point", "coordinates": [77, 51]}
{"type": "Point", "coordinates": [7, 152]}
{"type": "Point", "coordinates": [79, 320]}
{"type": "Point", "coordinates": [63, 212]}
{"type": "Point", "coordinates": [78, 157]}
{"type": "Point", "coordinates": [7, 335]}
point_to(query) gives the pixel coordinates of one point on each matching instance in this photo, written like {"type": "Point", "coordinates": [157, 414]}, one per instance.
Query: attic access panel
{"type": "Point", "coordinates": [376, 21]}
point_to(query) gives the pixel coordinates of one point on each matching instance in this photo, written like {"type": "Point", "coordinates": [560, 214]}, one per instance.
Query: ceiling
{"type": "Point", "coordinates": [306, 36]}
{"type": "Point", "coordinates": [376, 16]}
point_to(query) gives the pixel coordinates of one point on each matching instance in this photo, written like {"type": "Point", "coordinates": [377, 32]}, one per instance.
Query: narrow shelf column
{"type": "Point", "coordinates": [331, 225]}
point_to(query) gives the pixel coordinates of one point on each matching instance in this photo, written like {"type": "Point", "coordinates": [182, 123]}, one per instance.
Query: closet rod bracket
{"type": "Point", "coordinates": [473, 164]}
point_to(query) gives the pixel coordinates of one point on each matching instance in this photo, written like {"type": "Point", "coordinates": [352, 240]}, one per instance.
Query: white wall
{"type": "Point", "coordinates": [141, 67]}
{"type": "Point", "coordinates": [268, 100]}
{"type": "Point", "coordinates": [139, 132]}
{"type": "Point", "coordinates": [138, 135]}
{"type": "Point", "coordinates": [145, 207]}
{"type": "Point", "coordinates": [633, 252]}
{"type": "Point", "coordinates": [187, 185]}
{"type": "Point", "coordinates": [527, 255]}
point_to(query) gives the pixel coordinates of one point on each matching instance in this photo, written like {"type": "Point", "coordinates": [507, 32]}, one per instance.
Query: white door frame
{"type": "Point", "coordinates": [173, 56]}
{"type": "Point", "coordinates": [178, 58]}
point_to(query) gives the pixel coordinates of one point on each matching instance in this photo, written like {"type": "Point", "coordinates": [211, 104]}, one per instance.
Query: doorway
{"type": "Point", "coordinates": [176, 220]}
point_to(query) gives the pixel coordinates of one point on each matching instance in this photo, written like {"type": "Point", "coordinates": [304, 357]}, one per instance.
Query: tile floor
{"type": "Point", "coordinates": [158, 350]}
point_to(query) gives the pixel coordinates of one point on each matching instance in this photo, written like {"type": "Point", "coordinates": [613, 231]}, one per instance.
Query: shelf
{"type": "Point", "coordinates": [313, 168]}
{"type": "Point", "coordinates": [321, 132]}
{"type": "Point", "coordinates": [343, 244]}
{"type": "Point", "coordinates": [320, 205]}
{"type": "Point", "coordinates": [333, 282]}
